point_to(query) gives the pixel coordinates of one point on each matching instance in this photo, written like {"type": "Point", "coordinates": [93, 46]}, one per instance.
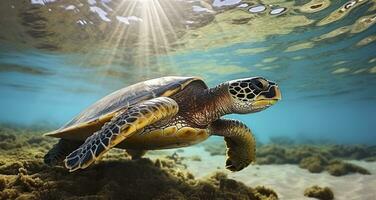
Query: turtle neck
{"type": "Point", "coordinates": [212, 104]}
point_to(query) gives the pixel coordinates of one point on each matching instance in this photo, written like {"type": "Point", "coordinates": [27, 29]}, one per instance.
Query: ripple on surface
{"type": "Point", "coordinates": [315, 6]}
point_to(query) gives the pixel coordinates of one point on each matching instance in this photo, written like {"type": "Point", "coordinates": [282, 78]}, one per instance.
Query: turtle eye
{"type": "Point", "coordinates": [260, 83]}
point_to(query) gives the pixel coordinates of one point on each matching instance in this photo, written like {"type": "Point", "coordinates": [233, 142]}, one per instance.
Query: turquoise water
{"type": "Point", "coordinates": [55, 59]}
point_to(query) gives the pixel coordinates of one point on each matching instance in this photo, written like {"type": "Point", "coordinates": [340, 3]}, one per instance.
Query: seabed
{"type": "Point", "coordinates": [282, 171]}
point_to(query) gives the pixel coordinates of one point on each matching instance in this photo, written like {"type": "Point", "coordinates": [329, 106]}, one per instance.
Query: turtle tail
{"type": "Point", "coordinates": [60, 150]}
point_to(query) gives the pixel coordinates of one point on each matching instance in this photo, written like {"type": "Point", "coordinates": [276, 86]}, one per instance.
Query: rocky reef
{"type": "Point", "coordinates": [24, 176]}
{"type": "Point", "coordinates": [340, 168]}
{"type": "Point", "coordinates": [319, 193]}
{"type": "Point", "coordinates": [313, 157]}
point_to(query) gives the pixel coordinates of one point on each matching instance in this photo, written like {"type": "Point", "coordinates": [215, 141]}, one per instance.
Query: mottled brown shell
{"type": "Point", "coordinates": [93, 118]}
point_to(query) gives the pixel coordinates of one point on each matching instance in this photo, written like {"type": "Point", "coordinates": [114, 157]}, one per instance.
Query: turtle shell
{"type": "Point", "coordinates": [94, 117]}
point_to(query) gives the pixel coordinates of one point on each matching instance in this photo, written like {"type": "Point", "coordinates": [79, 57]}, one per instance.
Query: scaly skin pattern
{"type": "Point", "coordinates": [185, 117]}
{"type": "Point", "coordinates": [241, 145]}
{"type": "Point", "coordinates": [122, 126]}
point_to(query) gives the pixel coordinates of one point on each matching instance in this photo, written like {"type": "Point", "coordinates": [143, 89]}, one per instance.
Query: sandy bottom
{"type": "Point", "coordinates": [289, 181]}
{"type": "Point", "coordinates": [185, 173]}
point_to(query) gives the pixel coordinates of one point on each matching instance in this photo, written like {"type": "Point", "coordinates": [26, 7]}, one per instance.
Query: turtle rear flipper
{"type": "Point", "coordinates": [122, 126]}
{"type": "Point", "coordinates": [59, 151]}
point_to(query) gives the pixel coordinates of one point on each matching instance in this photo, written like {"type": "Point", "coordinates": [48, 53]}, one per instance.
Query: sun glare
{"type": "Point", "coordinates": [150, 35]}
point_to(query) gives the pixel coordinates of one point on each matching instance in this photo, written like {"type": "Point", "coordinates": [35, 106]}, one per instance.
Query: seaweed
{"type": "Point", "coordinates": [319, 192]}
{"type": "Point", "coordinates": [23, 175]}
{"type": "Point", "coordinates": [314, 158]}
{"type": "Point", "coordinates": [314, 164]}
{"type": "Point", "coordinates": [9, 194]}
{"type": "Point", "coordinates": [3, 183]}
{"type": "Point", "coordinates": [340, 168]}
{"type": "Point", "coordinates": [128, 179]}
{"type": "Point", "coordinates": [263, 192]}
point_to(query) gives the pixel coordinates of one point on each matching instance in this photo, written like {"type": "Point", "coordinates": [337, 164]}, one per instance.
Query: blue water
{"type": "Point", "coordinates": [328, 88]}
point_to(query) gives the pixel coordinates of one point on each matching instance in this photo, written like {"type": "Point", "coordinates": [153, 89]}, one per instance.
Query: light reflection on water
{"type": "Point", "coordinates": [322, 54]}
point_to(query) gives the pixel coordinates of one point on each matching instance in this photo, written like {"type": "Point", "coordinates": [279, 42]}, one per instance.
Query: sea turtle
{"type": "Point", "coordinates": [167, 112]}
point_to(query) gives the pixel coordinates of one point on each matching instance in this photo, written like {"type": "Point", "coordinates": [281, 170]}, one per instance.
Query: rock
{"type": "Point", "coordinates": [319, 193]}
{"type": "Point", "coordinates": [314, 164]}
{"type": "Point", "coordinates": [340, 168]}
{"type": "Point", "coordinates": [266, 193]}
{"type": "Point", "coordinates": [3, 183]}
{"type": "Point", "coordinates": [24, 176]}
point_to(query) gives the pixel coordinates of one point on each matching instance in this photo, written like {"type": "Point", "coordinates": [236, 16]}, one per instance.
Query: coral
{"type": "Point", "coordinates": [236, 190]}
{"type": "Point", "coordinates": [3, 183]}
{"type": "Point", "coordinates": [24, 176]}
{"type": "Point", "coordinates": [6, 136]}
{"type": "Point", "coordinates": [340, 168]}
{"type": "Point", "coordinates": [11, 168]}
{"type": "Point", "coordinates": [319, 193]}
{"type": "Point", "coordinates": [314, 158]}
{"type": "Point", "coordinates": [275, 150]}
{"type": "Point", "coordinates": [9, 194]}
{"type": "Point", "coordinates": [14, 138]}
{"type": "Point", "coordinates": [28, 183]}
{"type": "Point", "coordinates": [27, 197]}
{"type": "Point", "coordinates": [356, 152]}
{"type": "Point", "coordinates": [270, 159]}
{"type": "Point", "coordinates": [8, 141]}
{"type": "Point", "coordinates": [265, 193]}
{"type": "Point", "coordinates": [314, 164]}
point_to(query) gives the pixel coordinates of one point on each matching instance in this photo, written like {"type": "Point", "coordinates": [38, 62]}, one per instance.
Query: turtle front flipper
{"type": "Point", "coordinates": [122, 126]}
{"type": "Point", "coordinates": [239, 140]}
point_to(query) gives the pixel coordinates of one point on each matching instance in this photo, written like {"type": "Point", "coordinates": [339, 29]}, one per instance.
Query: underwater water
{"type": "Point", "coordinates": [57, 57]}
{"type": "Point", "coordinates": [322, 58]}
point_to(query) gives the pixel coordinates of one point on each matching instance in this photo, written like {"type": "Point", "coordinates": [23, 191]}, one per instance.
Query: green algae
{"type": "Point", "coordinates": [314, 164]}
{"type": "Point", "coordinates": [319, 193]}
{"type": "Point", "coordinates": [23, 175]}
{"type": "Point", "coordinates": [340, 168]}
{"type": "Point", "coordinates": [314, 158]}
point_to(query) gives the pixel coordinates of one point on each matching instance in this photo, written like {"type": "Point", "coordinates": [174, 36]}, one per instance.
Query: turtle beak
{"type": "Point", "coordinates": [268, 98]}
{"type": "Point", "coordinates": [278, 95]}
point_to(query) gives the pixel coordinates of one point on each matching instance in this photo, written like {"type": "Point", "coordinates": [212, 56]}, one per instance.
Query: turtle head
{"type": "Point", "coordinates": [253, 94]}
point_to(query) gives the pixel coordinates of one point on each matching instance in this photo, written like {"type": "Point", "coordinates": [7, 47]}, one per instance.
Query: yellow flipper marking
{"type": "Point", "coordinates": [122, 126]}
